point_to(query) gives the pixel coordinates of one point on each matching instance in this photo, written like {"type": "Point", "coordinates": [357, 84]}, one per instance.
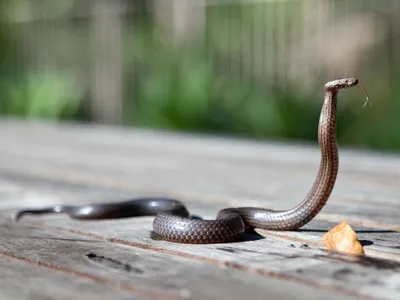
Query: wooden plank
{"type": "Point", "coordinates": [23, 279]}
{"type": "Point", "coordinates": [353, 212]}
{"type": "Point", "coordinates": [162, 161]}
{"type": "Point", "coordinates": [147, 274]}
{"type": "Point", "coordinates": [146, 144]}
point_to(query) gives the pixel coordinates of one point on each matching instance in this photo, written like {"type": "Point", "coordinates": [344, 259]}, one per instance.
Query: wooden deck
{"type": "Point", "coordinates": [54, 257]}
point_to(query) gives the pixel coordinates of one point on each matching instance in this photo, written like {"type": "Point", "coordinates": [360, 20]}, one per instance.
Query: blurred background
{"type": "Point", "coordinates": [245, 68]}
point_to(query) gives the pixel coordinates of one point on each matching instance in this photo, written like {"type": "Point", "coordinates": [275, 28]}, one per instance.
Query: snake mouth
{"type": "Point", "coordinates": [342, 83]}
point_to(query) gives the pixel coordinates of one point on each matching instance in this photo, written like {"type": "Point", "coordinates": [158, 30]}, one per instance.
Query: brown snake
{"type": "Point", "coordinates": [172, 221]}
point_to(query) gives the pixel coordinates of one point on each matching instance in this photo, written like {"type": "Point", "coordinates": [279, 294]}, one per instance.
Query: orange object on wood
{"type": "Point", "coordinates": [342, 238]}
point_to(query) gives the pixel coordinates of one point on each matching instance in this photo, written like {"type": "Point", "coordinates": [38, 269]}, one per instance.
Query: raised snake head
{"type": "Point", "coordinates": [342, 83]}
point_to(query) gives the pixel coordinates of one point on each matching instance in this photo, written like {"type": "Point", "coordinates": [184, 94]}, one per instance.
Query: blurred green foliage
{"type": "Point", "coordinates": [186, 89]}
{"type": "Point", "coordinates": [45, 95]}
{"type": "Point", "coordinates": [186, 93]}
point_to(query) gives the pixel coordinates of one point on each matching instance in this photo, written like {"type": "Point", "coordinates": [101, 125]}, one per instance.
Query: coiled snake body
{"type": "Point", "coordinates": [173, 223]}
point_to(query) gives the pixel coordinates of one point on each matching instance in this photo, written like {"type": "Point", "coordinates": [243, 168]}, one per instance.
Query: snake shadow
{"type": "Point", "coordinates": [249, 235]}
{"type": "Point", "coordinates": [357, 231]}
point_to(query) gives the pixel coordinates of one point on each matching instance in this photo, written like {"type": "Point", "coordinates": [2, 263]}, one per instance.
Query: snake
{"type": "Point", "coordinates": [174, 223]}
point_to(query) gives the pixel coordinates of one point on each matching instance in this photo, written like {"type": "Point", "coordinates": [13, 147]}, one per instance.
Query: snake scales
{"type": "Point", "coordinates": [173, 222]}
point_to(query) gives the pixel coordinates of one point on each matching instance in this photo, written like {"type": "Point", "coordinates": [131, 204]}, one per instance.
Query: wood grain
{"type": "Point", "coordinates": [148, 274]}
{"type": "Point", "coordinates": [24, 280]}
{"type": "Point", "coordinates": [43, 164]}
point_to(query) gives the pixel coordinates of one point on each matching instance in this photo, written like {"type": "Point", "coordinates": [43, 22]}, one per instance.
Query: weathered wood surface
{"type": "Point", "coordinates": [55, 257]}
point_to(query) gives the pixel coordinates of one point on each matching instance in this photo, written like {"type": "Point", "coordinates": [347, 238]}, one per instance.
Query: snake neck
{"type": "Point", "coordinates": [329, 164]}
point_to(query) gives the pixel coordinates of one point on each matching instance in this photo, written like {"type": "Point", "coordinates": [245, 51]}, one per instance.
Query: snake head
{"type": "Point", "coordinates": [341, 84]}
